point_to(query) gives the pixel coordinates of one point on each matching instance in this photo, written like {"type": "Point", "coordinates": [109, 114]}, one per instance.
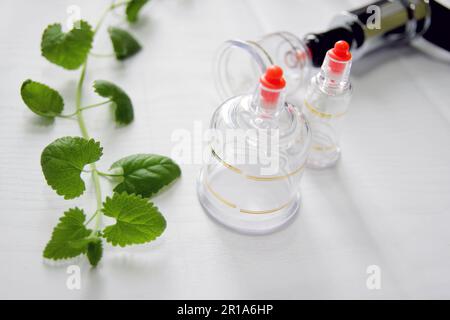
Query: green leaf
{"type": "Point", "coordinates": [124, 44]}
{"type": "Point", "coordinates": [137, 220]}
{"type": "Point", "coordinates": [95, 252]}
{"type": "Point", "coordinates": [145, 174]}
{"type": "Point", "coordinates": [133, 8]}
{"type": "Point", "coordinates": [69, 236]}
{"type": "Point", "coordinates": [68, 50]}
{"type": "Point", "coordinates": [41, 99]}
{"type": "Point", "coordinates": [124, 108]}
{"type": "Point", "coordinates": [63, 160]}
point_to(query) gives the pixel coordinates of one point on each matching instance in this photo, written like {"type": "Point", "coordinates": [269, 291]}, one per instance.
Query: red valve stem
{"type": "Point", "coordinates": [272, 80]}
{"type": "Point", "coordinates": [339, 55]}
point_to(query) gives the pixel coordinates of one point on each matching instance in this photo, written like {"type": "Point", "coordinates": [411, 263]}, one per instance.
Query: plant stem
{"type": "Point", "coordinates": [66, 116]}
{"type": "Point", "coordinates": [91, 218]}
{"type": "Point", "coordinates": [95, 105]}
{"type": "Point", "coordinates": [81, 123]}
{"type": "Point", "coordinates": [70, 115]}
{"type": "Point", "coordinates": [118, 4]}
{"type": "Point", "coordinates": [85, 134]}
{"type": "Point", "coordinates": [105, 13]}
{"type": "Point", "coordinates": [102, 17]}
{"type": "Point", "coordinates": [98, 195]}
{"type": "Point", "coordinates": [102, 55]}
{"type": "Point", "coordinates": [104, 174]}
{"type": "Point", "coordinates": [80, 117]}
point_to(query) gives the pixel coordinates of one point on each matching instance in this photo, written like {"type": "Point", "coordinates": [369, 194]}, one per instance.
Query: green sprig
{"type": "Point", "coordinates": [64, 160]}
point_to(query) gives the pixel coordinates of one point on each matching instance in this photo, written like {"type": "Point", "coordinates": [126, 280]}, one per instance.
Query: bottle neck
{"type": "Point", "coordinates": [267, 103]}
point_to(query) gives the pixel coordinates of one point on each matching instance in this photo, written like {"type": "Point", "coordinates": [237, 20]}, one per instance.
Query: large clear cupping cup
{"type": "Point", "coordinates": [259, 145]}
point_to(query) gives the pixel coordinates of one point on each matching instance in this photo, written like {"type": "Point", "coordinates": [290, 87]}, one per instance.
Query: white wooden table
{"type": "Point", "coordinates": [387, 203]}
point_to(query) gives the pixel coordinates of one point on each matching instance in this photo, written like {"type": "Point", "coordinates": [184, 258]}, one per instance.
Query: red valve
{"type": "Point", "coordinates": [339, 55]}
{"type": "Point", "coordinates": [272, 80]}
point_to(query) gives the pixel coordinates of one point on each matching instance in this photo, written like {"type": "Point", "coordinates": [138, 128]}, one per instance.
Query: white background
{"type": "Point", "coordinates": [386, 203]}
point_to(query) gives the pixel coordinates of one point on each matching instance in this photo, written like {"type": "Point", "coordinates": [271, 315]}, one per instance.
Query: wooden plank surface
{"type": "Point", "coordinates": [387, 202]}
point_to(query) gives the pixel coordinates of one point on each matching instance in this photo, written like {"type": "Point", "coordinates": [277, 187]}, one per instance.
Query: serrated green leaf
{"type": "Point", "coordinates": [95, 252]}
{"type": "Point", "coordinates": [68, 50]}
{"type": "Point", "coordinates": [137, 220]}
{"type": "Point", "coordinates": [41, 99]}
{"type": "Point", "coordinates": [68, 237]}
{"type": "Point", "coordinates": [124, 108]}
{"type": "Point", "coordinates": [63, 160]}
{"type": "Point", "coordinates": [133, 8]}
{"type": "Point", "coordinates": [124, 44]}
{"type": "Point", "coordinates": [145, 174]}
